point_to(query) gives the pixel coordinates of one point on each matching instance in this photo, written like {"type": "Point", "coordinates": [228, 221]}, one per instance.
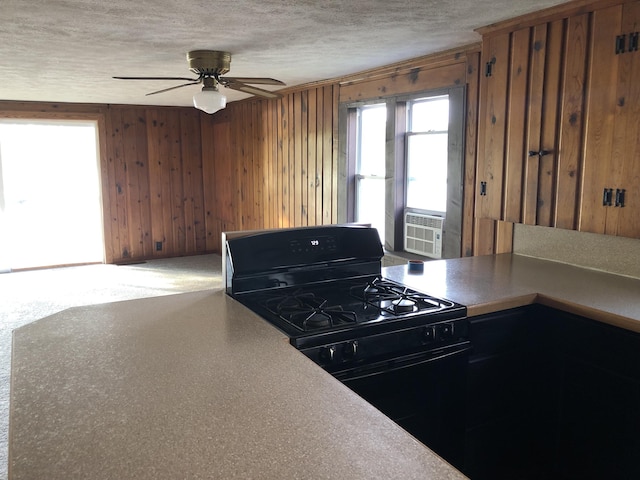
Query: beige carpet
{"type": "Point", "coordinates": [31, 295]}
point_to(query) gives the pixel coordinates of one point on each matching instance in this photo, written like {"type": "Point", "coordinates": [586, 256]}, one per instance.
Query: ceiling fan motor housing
{"type": "Point", "coordinates": [209, 62]}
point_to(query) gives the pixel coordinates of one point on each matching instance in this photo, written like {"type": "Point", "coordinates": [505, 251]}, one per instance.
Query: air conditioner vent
{"type": "Point", "coordinates": [423, 234]}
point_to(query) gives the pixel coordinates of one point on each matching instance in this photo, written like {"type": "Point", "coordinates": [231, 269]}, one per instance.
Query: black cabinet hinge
{"type": "Point", "coordinates": [619, 197]}
{"type": "Point", "coordinates": [488, 68]}
{"type": "Point", "coordinates": [633, 42]}
{"type": "Point", "coordinates": [620, 43]}
{"type": "Point", "coordinates": [607, 196]}
{"type": "Point", "coordinates": [483, 189]}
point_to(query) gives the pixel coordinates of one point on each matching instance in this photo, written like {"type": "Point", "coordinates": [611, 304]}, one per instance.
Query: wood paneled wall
{"type": "Point", "coordinates": [272, 163]}
{"type": "Point", "coordinates": [177, 178]}
{"type": "Point", "coordinates": [151, 170]}
{"type": "Point", "coordinates": [154, 204]}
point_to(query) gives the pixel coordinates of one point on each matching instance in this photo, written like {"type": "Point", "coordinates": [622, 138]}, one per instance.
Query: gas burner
{"type": "Point", "coordinates": [310, 318]}
{"type": "Point", "coordinates": [396, 299]}
{"type": "Point", "coordinates": [295, 300]}
{"type": "Point", "coordinates": [403, 305]}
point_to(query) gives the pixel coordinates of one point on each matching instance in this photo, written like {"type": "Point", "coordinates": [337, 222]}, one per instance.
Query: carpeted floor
{"type": "Point", "coordinates": [31, 295]}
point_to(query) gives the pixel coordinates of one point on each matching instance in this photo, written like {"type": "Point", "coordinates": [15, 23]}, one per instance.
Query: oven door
{"type": "Point", "coordinates": [424, 393]}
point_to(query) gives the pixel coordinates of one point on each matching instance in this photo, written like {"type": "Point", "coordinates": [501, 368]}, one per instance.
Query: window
{"type": "Point", "coordinates": [404, 153]}
{"type": "Point", "coordinates": [427, 154]}
{"type": "Point", "coordinates": [370, 166]}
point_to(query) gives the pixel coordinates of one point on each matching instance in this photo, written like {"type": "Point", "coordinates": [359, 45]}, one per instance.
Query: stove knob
{"type": "Point", "coordinates": [327, 354]}
{"type": "Point", "coordinates": [446, 331]}
{"type": "Point", "coordinates": [350, 350]}
{"type": "Point", "coordinates": [429, 334]}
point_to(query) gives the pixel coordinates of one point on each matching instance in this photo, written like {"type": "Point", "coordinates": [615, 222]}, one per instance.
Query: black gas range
{"type": "Point", "coordinates": [322, 286]}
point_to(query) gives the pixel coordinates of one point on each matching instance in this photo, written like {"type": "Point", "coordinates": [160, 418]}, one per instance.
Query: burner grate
{"type": "Point", "coordinates": [307, 311]}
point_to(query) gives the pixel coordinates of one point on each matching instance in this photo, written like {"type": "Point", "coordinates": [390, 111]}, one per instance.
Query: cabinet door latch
{"type": "Point", "coordinates": [541, 153]}
{"type": "Point", "coordinates": [483, 188]}
{"type": "Point", "coordinates": [619, 197]}
{"type": "Point", "coordinates": [607, 196]}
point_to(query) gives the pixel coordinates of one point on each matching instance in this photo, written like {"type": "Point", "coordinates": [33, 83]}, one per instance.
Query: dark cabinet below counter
{"type": "Point", "coordinates": [551, 395]}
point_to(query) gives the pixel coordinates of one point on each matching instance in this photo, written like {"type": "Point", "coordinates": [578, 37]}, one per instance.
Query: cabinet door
{"type": "Point", "coordinates": [598, 416]}
{"type": "Point", "coordinates": [533, 163]}
{"type": "Point", "coordinates": [530, 143]}
{"type": "Point", "coordinates": [612, 144]}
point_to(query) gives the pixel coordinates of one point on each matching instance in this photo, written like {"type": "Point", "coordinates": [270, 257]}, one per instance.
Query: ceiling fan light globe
{"type": "Point", "coordinates": [209, 101]}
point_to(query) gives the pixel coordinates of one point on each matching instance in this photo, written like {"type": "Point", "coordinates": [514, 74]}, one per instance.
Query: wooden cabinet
{"type": "Point", "coordinates": [530, 128]}
{"type": "Point", "coordinates": [558, 120]}
{"type": "Point", "coordinates": [611, 172]}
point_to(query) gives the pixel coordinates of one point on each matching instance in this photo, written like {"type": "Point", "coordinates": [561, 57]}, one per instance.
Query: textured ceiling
{"type": "Point", "coordinates": [68, 50]}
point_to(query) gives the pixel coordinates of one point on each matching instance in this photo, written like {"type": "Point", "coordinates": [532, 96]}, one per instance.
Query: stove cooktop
{"type": "Point", "coordinates": [348, 307]}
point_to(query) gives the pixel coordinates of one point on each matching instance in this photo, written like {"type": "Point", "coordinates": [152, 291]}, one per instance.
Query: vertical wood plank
{"type": "Point", "coordinates": [291, 200]}
{"type": "Point", "coordinates": [312, 173]}
{"type": "Point", "coordinates": [193, 181]}
{"type": "Point", "coordinates": [484, 239]}
{"type": "Point", "coordinates": [176, 197]}
{"type": "Point", "coordinates": [473, 79]}
{"type": "Point", "coordinates": [297, 156]}
{"type": "Point", "coordinates": [304, 158]}
{"type": "Point", "coordinates": [504, 237]}
{"type": "Point", "coordinates": [319, 155]}
{"type": "Point", "coordinates": [492, 126]}
{"type": "Point", "coordinates": [160, 179]}
{"type": "Point", "coordinates": [117, 182]}
{"type": "Point", "coordinates": [213, 205]}
{"type": "Point", "coordinates": [285, 176]}
{"type": "Point", "coordinates": [536, 97]}
{"type": "Point", "coordinates": [600, 115]}
{"type": "Point", "coordinates": [335, 98]}
{"type": "Point", "coordinates": [327, 156]}
{"type": "Point", "coordinates": [133, 164]}
{"type": "Point", "coordinates": [569, 151]}
{"type": "Point", "coordinates": [517, 108]}
{"type": "Point", "coordinates": [547, 172]}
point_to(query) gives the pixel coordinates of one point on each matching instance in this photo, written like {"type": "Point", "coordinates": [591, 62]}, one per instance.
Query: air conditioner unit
{"type": "Point", "coordinates": [423, 234]}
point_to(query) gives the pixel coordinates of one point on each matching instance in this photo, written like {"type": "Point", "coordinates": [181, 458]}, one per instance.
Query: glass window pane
{"type": "Point", "coordinates": [371, 143]}
{"type": "Point", "coordinates": [430, 115]}
{"type": "Point", "coordinates": [370, 203]}
{"type": "Point", "coordinates": [427, 172]}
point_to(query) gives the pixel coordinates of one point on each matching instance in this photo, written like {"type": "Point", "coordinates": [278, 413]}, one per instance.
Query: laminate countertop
{"type": "Point", "coordinates": [190, 386]}
{"type": "Point", "coordinates": [492, 283]}
{"type": "Point", "coordinates": [197, 386]}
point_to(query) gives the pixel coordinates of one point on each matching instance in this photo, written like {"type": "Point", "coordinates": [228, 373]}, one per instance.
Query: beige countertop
{"type": "Point", "coordinates": [197, 386]}
{"type": "Point", "coordinates": [190, 386]}
{"type": "Point", "coordinates": [496, 282]}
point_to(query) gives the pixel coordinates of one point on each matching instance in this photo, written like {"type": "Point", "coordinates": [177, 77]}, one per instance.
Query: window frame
{"type": "Point", "coordinates": [395, 162]}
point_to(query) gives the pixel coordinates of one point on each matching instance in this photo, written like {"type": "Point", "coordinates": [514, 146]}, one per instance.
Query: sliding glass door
{"type": "Point", "coordinates": [50, 205]}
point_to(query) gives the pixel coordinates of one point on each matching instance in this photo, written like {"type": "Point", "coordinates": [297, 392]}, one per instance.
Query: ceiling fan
{"type": "Point", "coordinates": [209, 65]}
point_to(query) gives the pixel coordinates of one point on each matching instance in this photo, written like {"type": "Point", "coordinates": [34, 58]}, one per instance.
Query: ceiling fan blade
{"type": "Point", "coordinates": [173, 88]}
{"type": "Point", "coordinates": [157, 78]}
{"type": "Point", "coordinates": [253, 90]}
{"type": "Point", "coordinates": [253, 80]}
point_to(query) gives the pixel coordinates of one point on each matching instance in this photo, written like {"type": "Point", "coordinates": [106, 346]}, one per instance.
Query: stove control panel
{"type": "Point", "coordinates": [388, 345]}
{"type": "Point", "coordinates": [313, 244]}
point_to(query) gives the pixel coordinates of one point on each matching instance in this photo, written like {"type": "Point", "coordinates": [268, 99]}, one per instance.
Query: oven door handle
{"type": "Point", "coordinates": [402, 362]}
